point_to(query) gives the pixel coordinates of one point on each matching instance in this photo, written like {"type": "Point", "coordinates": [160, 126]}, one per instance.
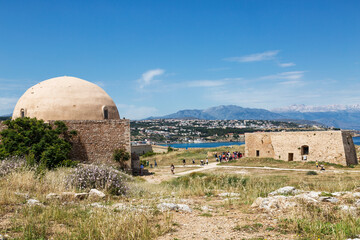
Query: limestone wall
{"type": "Point", "coordinates": [141, 149]}
{"type": "Point", "coordinates": [96, 140]}
{"type": "Point", "coordinates": [328, 146]}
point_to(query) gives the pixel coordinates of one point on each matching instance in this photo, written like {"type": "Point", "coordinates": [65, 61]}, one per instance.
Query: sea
{"type": "Point", "coordinates": [220, 144]}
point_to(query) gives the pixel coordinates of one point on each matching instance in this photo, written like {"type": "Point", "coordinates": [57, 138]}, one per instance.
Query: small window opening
{"type": "Point", "coordinates": [22, 113]}
{"type": "Point", "coordinates": [304, 150]}
{"type": "Point", "coordinates": [106, 113]}
{"type": "Point", "coordinates": [291, 157]}
{"type": "Point", "coordinates": [257, 153]}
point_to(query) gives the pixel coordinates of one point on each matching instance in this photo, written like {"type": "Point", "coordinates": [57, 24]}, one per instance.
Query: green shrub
{"type": "Point", "coordinates": [41, 143]}
{"type": "Point", "coordinates": [149, 154]}
{"type": "Point", "coordinates": [121, 156]}
{"type": "Point", "coordinates": [311, 173]}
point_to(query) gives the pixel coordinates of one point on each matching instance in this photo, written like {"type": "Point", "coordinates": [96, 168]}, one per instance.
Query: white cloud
{"type": "Point", "coordinates": [289, 64]}
{"type": "Point", "coordinates": [256, 57]}
{"type": "Point", "coordinates": [136, 112]}
{"type": "Point", "coordinates": [206, 83]}
{"type": "Point", "coordinates": [148, 77]}
{"type": "Point", "coordinates": [292, 82]}
{"type": "Point", "coordinates": [286, 75]}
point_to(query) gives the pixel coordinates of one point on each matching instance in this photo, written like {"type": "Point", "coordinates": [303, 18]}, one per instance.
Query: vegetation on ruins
{"type": "Point", "coordinates": [42, 144]}
{"type": "Point", "coordinates": [121, 156]}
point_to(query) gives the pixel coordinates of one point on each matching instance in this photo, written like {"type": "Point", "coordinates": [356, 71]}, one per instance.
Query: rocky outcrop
{"type": "Point", "coordinates": [276, 201]}
{"type": "Point", "coordinates": [174, 207]}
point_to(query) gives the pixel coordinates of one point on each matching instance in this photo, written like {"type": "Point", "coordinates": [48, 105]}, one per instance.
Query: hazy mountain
{"type": "Point", "coordinates": [325, 108]}
{"type": "Point", "coordinates": [229, 112]}
{"type": "Point", "coordinates": [5, 117]}
{"type": "Point", "coordinates": [340, 119]}
{"type": "Point", "coordinates": [339, 116]}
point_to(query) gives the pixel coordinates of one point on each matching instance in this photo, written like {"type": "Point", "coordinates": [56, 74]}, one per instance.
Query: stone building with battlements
{"type": "Point", "coordinates": [323, 146]}
{"type": "Point", "coordinates": [84, 107]}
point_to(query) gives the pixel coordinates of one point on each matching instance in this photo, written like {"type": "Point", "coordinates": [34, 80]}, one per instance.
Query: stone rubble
{"type": "Point", "coordinates": [288, 190]}
{"type": "Point", "coordinates": [229, 194]}
{"type": "Point", "coordinates": [276, 201]}
{"type": "Point", "coordinates": [174, 207]}
{"type": "Point", "coordinates": [94, 193]}
{"type": "Point", "coordinates": [34, 202]}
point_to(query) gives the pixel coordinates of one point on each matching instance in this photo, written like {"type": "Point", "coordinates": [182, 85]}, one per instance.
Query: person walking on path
{"type": "Point", "coordinates": [207, 161]}
{"type": "Point", "coordinates": [193, 161]}
{"type": "Point", "coordinates": [317, 164]}
{"type": "Point", "coordinates": [184, 162]}
{"type": "Point", "coordinates": [172, 167]}
{"type": "Point", "coordinates": [155, 163]}
{"type": "Point", "coordinates": [141, 169]}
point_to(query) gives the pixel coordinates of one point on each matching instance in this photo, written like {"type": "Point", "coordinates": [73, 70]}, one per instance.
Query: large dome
{"type": "Point", "coordinates": [66, 98]}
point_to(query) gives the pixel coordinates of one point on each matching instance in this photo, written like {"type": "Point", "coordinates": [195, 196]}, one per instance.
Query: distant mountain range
{"type": "Point", "coordinates": [5, 117]}
{"type": "Point", "coordinates": [339, 116]}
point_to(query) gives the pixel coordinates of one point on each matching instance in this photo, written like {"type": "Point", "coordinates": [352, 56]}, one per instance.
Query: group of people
{"type": "Point", "coordinates": [227, 156]}
{"type": "Point", "coordinates": [202, 162]}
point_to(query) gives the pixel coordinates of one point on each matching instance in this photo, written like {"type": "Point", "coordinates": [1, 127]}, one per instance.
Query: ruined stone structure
{"type": "Point", "coordinates": [96, 141]}
{"type": "Point", "coordinates": [84, 107]}
{"type": "Point", "coordinates": [144, 148]}
{"type": "Point", "coordinates": [327, 146]}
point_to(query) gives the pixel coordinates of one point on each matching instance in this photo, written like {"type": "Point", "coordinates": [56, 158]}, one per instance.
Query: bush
{"type": "Point", "coordinates": [311, 173]}
{"type": "Point", "coordinates": [99, 177]}
{"type": "Point", "coordinates": [121, 156]}
{"type": "Point", "coordinates": [149, 154]}
{"type": "Point", "coordinates": [47, 146]}
{"type": "Point", "coordinates": [170, 149]}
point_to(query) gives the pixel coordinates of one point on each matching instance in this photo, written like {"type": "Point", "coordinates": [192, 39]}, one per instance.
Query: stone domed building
{"type": "Point", "coordinates": [84, 107]}
{"type": "Point", "coordinates": [66, 98]}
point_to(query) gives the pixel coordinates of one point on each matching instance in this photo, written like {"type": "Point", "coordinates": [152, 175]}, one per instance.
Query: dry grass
{"type": "Point", "coordinates": [73, 219]}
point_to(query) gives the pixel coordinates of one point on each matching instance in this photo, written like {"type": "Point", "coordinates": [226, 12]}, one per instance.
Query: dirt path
{"type": "Point", "coordinates": [215, 165]}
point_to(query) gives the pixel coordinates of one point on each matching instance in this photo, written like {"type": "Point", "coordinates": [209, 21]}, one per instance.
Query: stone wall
{"type": "Point", "coordinates": [96, 140]}
{"type": "Point", "coordinates": [144, 148]}
{"type": "Point", "coordinates": [141, 149]}
{"type": "Point", "coordinates": [328, 146]}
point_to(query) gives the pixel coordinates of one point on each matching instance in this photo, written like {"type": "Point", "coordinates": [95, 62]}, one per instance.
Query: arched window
{"type": "Point", "coordinates": [106, 113]}
{"type": "Point", "coordinates": [304, 150]}
{"type": "Point", "coordinates": [22, 113]}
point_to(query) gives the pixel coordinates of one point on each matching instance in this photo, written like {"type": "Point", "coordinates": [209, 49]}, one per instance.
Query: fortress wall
{"type": "Point", "coordinates": [258, 142]}
{"type": "Point", "coordinates": [96, 140]}
{"type": "Point", "coordinates": [141, 149]}
{"type": "Point", "coordinates": [327, 146]}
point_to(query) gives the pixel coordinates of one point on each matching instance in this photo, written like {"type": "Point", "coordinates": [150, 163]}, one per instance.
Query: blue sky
{"type": "Point", "coordinates": [158, 57]}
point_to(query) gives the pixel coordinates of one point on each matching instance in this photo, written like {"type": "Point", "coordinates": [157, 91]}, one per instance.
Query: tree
{"type": "Point", "coordinates": [43, 144]}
